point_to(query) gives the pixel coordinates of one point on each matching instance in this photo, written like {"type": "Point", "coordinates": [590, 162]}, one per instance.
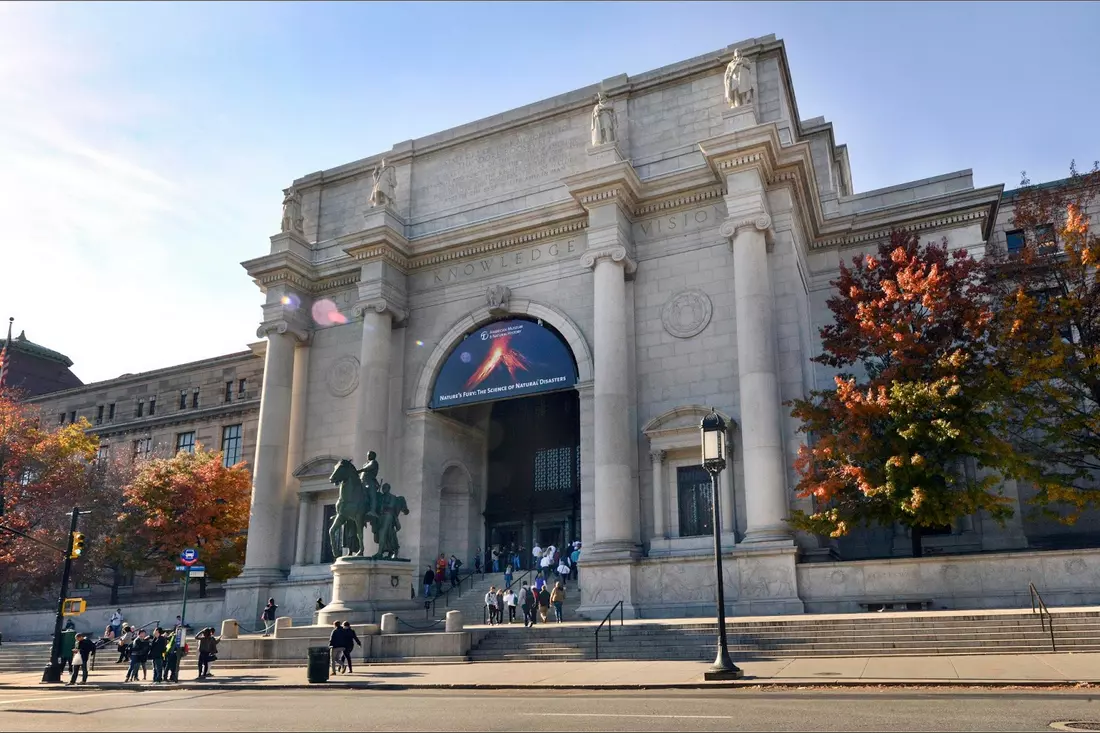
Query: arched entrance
{"type": "Point", "coordinates": [513, 380]}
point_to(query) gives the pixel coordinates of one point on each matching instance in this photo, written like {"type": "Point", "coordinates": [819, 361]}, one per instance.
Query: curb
{"type": "Point", "coordinates": [744, 683]}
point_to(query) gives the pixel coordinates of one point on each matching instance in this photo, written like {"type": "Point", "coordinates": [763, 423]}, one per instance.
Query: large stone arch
{"type": "Point", "coordinates": [460, 511]}
{"type": "Point", "coordinates": [475, 319]}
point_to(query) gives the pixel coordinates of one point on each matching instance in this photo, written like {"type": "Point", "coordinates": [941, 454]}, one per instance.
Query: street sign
{"type": "Point", "coordinates": [189, 556]}
{"type": "Point", "coordinates": [195, 569]}
{"type": "Point", "coordinates": [198, 573]}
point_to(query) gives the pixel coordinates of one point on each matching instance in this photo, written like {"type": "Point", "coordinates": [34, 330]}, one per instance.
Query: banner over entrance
{"type": "Point", "coordinates": [504, 359]}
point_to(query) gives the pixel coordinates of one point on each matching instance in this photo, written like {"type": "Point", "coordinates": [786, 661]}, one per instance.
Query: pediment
{"type": "Point", "coordinates": [317, 466]}
{"type": "Point", "coordinates": [682, 420]}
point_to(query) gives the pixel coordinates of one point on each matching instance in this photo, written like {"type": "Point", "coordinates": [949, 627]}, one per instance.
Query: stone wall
{"type": "Point", "coordinates": [38, 625]}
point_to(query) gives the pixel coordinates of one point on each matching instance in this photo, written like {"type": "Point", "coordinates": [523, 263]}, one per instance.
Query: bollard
{"type": "Point", "coordinates": [389, 623]}
{"type": "Point", "coordinates": [454, 622]}
{"type": "Point", "coordinates": [283, 622]}
{"type": "Point", "coordinates": [230, 629]}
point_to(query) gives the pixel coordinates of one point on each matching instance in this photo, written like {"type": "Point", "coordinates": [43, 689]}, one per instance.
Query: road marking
{"type": "Point", "coordinates": [629, 715]}
{"type": "Point", "coordinates": [47, 696]}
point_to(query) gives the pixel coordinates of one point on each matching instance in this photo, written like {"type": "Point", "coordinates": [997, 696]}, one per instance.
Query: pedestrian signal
{"type": "Point", "coordinates": [74, 607]}
{"type": "Point", "coordinates": [78, 545]}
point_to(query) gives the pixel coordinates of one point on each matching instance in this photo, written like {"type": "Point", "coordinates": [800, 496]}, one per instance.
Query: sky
{"type": "Point", "coordinates": [144, 146]}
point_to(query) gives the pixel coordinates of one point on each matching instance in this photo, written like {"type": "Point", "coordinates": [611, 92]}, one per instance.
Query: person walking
{"type": "Point", "coordinates": [350, 640]}
{"type": "Point", "coordinates": [544, 603]}
{"type": "Point", "coordinates": [139, 657]}
{"type": "Point", "coordinates": [528, 601]}
{"type": "Point", "coordinates": [500, 605]}
{"type": "Point", "coordinates": [477, 561]}
{"type": "Point", "coordinates": [156, 652]}
{"type": "Point", "coordinates": [454, 564]}
{"type": "Point", "coordinates": [172, 655]}
{"type": "Point", "coordinates": [557, 597]}
{"type": "Point", "coordinates": [510, 603]}
{"type": "Point", "coordinates": [429, 578]}
{"type": "Point", "coordinates": [337, 646]}
{"type": "Point", "coordinates": [508, 576]}
{"type": "Point", "coordinates": [268, 616]}
{"type": "Point", "coordinates": [82, 656]}
{"type": "Point", "coordinates": [491, 603]}
{"type": "Point", "coordinates": [208, 651]}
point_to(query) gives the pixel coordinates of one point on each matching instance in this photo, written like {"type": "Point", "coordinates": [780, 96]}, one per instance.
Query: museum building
{"type": "Point", "coordinates": [527, 316]}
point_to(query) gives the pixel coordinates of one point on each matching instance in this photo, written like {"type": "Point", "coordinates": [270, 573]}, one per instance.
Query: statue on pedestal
{"type": "Point", "coordinates": [603, 121]}
{"type": "Point", "coordinates": [385, 186]}
{"type": "Point", "coordinates": [292, 212]}
{"type": "Point", "coordinates": [740, 81]}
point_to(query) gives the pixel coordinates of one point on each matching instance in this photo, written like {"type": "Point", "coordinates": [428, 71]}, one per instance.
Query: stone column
{"type": "Point", "coordinates": [762, 440]}
{"type": "Point", "coordinates": [372, 408]}
{"type": "Point", "coordinates": [660, 498]}
{"type": "Point", "coordinates": [296, 524]}
{"type": "Point", "coordinates": [614, 492]}
{"type": "Point", "coordinates": [269, 483]}
{"type": "Point", "coordinates": [303, 530]}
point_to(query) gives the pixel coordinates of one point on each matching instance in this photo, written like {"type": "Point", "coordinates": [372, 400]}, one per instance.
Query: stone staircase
{"type": "Point", "coordinates": [26, 656]}
{"type": "Point", "coordinates": [889, 634]}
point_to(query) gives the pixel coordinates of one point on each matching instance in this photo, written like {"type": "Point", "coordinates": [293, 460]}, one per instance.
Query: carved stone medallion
{"type": "Point", "coordinates": [343, 376]}
{"type": "Point", "coordinates": [686, 313]}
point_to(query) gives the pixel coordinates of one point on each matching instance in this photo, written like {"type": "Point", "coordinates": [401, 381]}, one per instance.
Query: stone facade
{"type": "Point", "coordinates": [682, 249]}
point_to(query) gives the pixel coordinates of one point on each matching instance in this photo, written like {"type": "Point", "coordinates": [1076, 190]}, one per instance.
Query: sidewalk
{"type": "Point", "coordinates": [1037, 670]}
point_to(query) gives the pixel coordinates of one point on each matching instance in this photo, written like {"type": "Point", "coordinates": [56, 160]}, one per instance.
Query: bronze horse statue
{"type": "Point", "coordinates": [355, 507]}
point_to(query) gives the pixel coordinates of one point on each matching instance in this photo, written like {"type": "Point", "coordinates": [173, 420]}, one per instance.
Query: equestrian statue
{"type": "Point", "coordinates": [362, 501]}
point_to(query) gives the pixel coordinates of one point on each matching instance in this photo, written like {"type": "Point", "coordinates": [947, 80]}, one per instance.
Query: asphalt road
{"type": "Point", "coordinates": [546, 710]}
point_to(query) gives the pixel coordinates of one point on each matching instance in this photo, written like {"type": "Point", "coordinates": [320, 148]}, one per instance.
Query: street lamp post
{"type": "Point", "coordinates": [713, 429]}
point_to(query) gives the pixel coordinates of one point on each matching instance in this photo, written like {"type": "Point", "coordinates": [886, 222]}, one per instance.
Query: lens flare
{"type": "Point", "coordinates": [325, 313]}
{"type": "Point", "coordinates": [290, 301]}
{"type": "Point", "coordinates": [419, 342]}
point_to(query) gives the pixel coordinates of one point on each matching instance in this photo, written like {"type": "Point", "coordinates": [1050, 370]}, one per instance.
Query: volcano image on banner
{"type": "Point", "coordinates": [504, 359]}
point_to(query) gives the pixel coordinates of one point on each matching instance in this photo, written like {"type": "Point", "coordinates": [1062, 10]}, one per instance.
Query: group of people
{"type": "Point", "coordinates": [137, 648]}
{"type": "Point", "coordinates": [341, 643]}
{"type": "Point", "coordinates": [535, 602]}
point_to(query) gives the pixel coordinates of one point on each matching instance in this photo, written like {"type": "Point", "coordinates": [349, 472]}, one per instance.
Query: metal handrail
{"type": "Point", "coordinates": [607, 620]}
{"type": "Point", "coordinates": [485, 609]}
{"type": "Point", "coordinates": [446, 595]}
{"type": "Point", "coordinates": [1042, 609]}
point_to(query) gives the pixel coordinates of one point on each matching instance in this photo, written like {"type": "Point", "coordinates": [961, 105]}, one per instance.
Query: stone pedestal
{"type": "Point", "coordinates": [739, 118]}
{"type": "Point", "coordinates": [389, 623]}
{"type": "Point", "coordinates": [363, 589]}
{"type": "Point", "coordinates": [230, 629]}
{"type": "Point", "coordinates": [454, 622]}
{"type": "Point", "coordinates": [767, 581]}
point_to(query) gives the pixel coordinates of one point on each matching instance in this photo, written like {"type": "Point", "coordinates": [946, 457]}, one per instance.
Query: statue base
{"type": "Point", "coordinates": [364, 588]}
{"type": "Point", "coordinates": [740, 118]}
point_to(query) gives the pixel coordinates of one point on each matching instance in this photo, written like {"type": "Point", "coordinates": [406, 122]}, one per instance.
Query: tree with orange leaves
{"type": "Point", "coordinates": [909, 417]}
{"type": "Point", "coordinates": [187, 500]}
{"type": "Point", "coordinates": [1047, 334]}
{"type": "Point", "coordinates": [44, 472]}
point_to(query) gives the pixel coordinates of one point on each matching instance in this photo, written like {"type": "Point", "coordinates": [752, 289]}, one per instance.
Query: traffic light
{"type": "Point", "coordinates": [78, 545]}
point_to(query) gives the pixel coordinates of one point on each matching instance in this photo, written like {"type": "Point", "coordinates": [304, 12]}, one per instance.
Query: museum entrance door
{"type": "Point", "coordinates": [533, 473]}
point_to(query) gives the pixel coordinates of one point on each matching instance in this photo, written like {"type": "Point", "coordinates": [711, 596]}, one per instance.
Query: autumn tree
{"type": "Point", "coordinates": [1047, 334]}
{"type": "Point", "coordinates": [911, 401]}
{"type": "Point", "coordinates": [187, 500]}
{"type": "Point", "coordinates": [44, 472]}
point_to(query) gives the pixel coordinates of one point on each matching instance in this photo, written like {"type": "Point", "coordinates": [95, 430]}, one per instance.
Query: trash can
{"type": "Point", "coordinates": [319, 661]}
{"type": "Point", "coordinates": [68, 643]}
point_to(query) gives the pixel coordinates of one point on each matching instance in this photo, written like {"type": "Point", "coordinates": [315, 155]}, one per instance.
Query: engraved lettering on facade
{"type": "Point", "coordinates": [678, 223]}
{"type": "Point", "coordinates": [499, 263]}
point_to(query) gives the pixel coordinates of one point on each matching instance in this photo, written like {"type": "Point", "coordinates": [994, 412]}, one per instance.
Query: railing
{"type": "Point", "coordinates": [446, 595]}
{"type": "Point", "coordinates": [1041, 608]}
{"type": "Point", "coordinates": [485, 609]}
{"type": "Point", "coordinates": [607, 620]}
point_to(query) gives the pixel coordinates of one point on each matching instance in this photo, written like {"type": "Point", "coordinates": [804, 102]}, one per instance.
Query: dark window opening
{"type": "Point", "coordinates": [693, 489]}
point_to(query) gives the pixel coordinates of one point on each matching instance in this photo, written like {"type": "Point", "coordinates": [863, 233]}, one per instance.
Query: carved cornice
{"type": "Point", "coordinates": [617, 183]}
{"type": "Point", "coordinates": [281, 327]}
{"type": "Point", "coordinates": [481, 248]}
{"type": "Point", "coordinates": [617, 254]}
{"type": "Point", "coordinates": [676, 201]}
{"type": "Point", "coordinates": [872, 235]}
{"type": "Point", "coordinates": [380, 251]}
